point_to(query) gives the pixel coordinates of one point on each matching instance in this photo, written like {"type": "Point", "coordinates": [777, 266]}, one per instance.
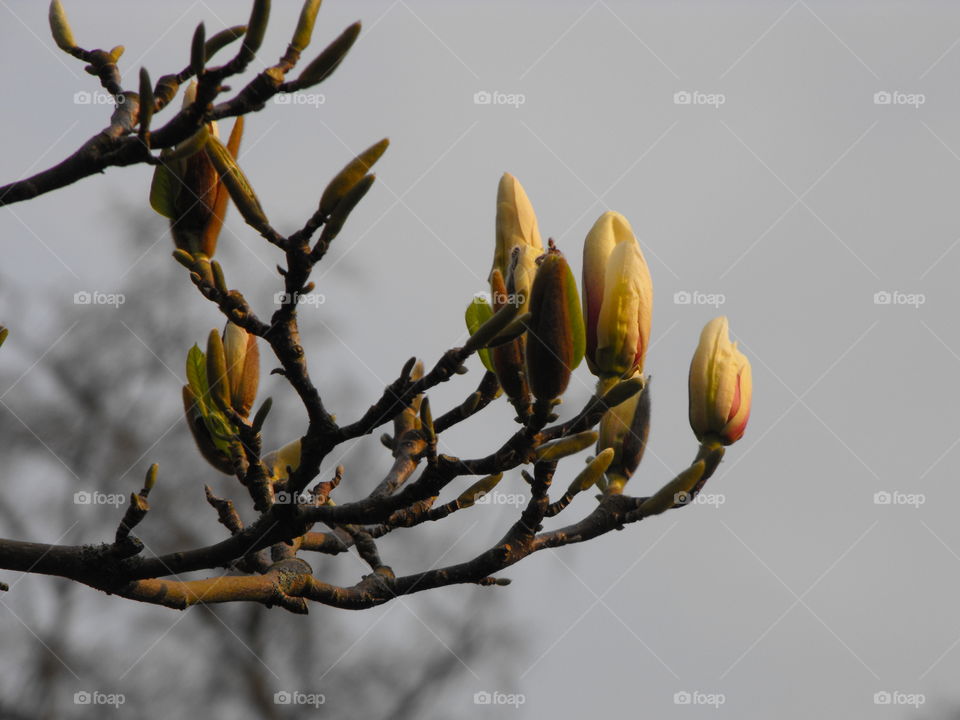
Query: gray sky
{"type": "Point", "coordinates": [786, 187]}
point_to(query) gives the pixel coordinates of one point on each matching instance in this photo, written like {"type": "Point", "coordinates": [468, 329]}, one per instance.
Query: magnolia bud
{"type": "Point", "coordinates": [516, 222]}
{"type": "Point", "coordinates": [187, 189]}
{"type": "Point", "coordinates": [476, 491]}
{"type": "Point", "coordinates": [555, 338]}
{"type": "Point", "coordinates": [243, 367]}
{"type": "Point", "coordinates": [617, 298]}
{"type": "Point", "coordinates": [721, 386]}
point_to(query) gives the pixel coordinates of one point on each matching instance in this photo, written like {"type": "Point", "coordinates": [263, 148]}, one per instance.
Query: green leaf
{"type": "Point", "coordinates": [164, 190]}
{"type": "Point", "coordinates": [197, 378]}
{"type": "Point", "coordinates": [478, 312]}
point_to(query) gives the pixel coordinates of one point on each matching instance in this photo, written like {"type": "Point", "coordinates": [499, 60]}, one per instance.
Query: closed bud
{"type": "Point", "coordinates": [217, 379]}
{"type": "Point", "coordinates": [516, 223]}
{"type": "Point", "coordinates": [564, 447]}
{"type": "Point", "coordinates": [256, 29]}
{"type": "Point", "coordinates": [60, 27]}
{"type": "Point", "coordinates": [617, 298]}
{"type": "Point", "coordinates": [592, 473]}
{"type": "Point", "coordinates": [351, 174]}
{"type": "Point", "coordinates": [243, 367]}
{"type": "Point", "coordinates": [222, 39]}
{"type": "Point", "coordinates": [188, 189]}
{"type": "Point", "coordinates": [151, 478]}
{"type": "Point", "coordinates": [326, 62]}
{"type": "Point", "coordinates": [624, 429]}
{"type": "Point", "coordinates": [233, 178]}
{"type": "Point", "coordinates": [720, 384]}
{"type": "Point", "coordinates": [555, 338]}
{"type": "Point", "coordinates": [308, 16]}
{"type": "Point", "coordinates": [476, 491]}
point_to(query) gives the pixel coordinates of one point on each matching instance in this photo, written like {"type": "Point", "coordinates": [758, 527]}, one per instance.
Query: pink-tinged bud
{"type": "Point", "coordinates": [516, 223]}
{"type": "Point", "coordinates": [617, 298]}
{"type": "Point", "coordinates": [721, 386]}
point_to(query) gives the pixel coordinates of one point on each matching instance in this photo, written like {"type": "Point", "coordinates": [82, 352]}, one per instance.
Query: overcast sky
{"type": "Point", "coordinates": [794, 166]}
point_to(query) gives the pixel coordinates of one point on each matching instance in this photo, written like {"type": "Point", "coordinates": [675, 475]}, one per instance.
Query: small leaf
{"type": "Point", "coordinates": [164, 190]}
{"type": "Point", "coordinates": [197, 378]}
{"type": "Point", "coordinates": [478, 312]}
